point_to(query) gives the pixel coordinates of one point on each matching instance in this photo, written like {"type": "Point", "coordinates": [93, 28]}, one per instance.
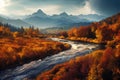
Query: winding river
{"type": "Point", "coordinates": [30, 70]}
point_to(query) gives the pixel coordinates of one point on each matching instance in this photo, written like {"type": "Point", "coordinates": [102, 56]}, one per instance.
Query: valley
{"type": "Point", "coordinates": [60, 45]}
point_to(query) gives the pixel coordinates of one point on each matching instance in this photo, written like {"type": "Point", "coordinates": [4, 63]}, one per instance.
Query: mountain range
{"type": "Point", "coordinates": [42, 20]}
{"type": "Point", "coordinates": [14, 22]}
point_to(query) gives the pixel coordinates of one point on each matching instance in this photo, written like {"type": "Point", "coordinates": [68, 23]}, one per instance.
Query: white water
{"type": "Point", "coordinates": [33, 68]}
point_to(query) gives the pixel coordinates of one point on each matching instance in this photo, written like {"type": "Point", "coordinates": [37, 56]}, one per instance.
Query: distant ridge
{"type": "Point", "coordinates": [41, 20]}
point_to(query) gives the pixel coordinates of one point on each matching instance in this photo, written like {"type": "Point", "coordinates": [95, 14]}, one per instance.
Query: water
{"type": "Point", "coordinates": [30, 70]}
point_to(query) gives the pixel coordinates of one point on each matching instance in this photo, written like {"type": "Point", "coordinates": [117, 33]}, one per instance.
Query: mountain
{"type": "Point", "coordinates": [64, 14]}
{"type": "Point", "coordinates": [64, 28]}
{"type": "Point", "coordinates": [112, 22]}
{"type": "Point", "coordinates": [42, 20]}
{"type": "Point", "coordinates": [39, 13]}
{"type": "Point", "coordinates": [92, 17]}
{"type": "Point", "coordinates": [62, 20]}
{"type": "Point", "coordinates": [4, 16]}
{"type": "Point", "coordinates": [14, 22]}
{"type": "Point", "coordinates": [115, 19]}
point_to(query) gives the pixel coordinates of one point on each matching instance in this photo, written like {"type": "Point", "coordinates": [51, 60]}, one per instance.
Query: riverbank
{"type": "Point", "coordinates": [87, 40]}
{"type": "Point", "coordinates": [99, 65]}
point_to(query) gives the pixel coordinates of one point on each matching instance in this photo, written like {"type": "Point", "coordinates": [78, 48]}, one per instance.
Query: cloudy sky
{"type": "Point", "coordinates": [75, 7]}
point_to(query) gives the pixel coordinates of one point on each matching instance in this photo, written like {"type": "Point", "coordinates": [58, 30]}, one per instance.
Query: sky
{"type": "Point", "coordinates": [19, 8]}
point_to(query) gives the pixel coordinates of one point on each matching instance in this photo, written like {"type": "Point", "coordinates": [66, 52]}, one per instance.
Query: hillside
{"type": "Point", "coordinates": [14, 22]}
{"type": "Point", "coordinates": [97, 32]}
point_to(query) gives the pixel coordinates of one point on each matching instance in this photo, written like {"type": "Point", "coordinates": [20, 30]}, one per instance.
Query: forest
{"type": "Point", "coordinates": [19, 46]}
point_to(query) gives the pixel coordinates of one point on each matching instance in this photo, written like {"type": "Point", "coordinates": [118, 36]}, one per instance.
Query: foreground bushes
{"type": "Point", "coordinates": [19, 50]}
{"type": "Point", "coordinates": [100, 65]}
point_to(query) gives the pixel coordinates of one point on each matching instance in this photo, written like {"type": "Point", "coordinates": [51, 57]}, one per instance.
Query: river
{"type": "Point", "coordinates": [30, 70]}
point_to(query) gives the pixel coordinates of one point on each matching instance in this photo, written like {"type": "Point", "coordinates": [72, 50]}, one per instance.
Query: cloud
{"type": "Point", "coordinates": [63, 3]}
{"type": "Point", "coordinates": [25, 7]}
{"type": "Point", "coordinates": [75, 7]}
{"type": "Point", "coordinates": [106, 7]}
{"type": "Point", "coordinates": [86, 9]}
